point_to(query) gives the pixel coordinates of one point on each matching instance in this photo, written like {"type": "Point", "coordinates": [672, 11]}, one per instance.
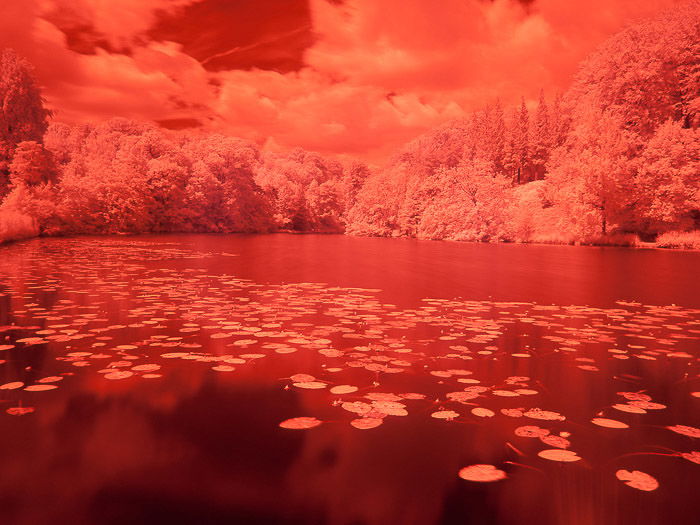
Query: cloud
{"type": "Point", "coordinates": [355, 76]}
{"type": "Point", "coordinates": [244, 34]}
{"type": "Point", "coordinates": [117, 23]}
{"type": "Point", "coordinates": [311, 110]}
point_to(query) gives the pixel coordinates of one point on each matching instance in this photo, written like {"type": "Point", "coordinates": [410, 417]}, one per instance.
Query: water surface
{"type": "Point", "coordinates": [177, 357]}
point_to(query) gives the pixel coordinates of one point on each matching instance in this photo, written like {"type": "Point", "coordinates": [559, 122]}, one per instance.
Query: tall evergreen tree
{"type": "Point", "coordinates": [541, 140]}
{"type": "Point", "coordinates": [22, 113]}
{"type": "Point", "coordinates": [521, 137]}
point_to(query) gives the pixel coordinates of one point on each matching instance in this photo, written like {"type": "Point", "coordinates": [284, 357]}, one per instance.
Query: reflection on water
{"type": "Point", "coordinates": [144, 380]}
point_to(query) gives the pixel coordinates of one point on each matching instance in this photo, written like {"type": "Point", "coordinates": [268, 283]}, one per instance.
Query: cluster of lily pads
{"type": "Point", "coordinates": [167, 316]}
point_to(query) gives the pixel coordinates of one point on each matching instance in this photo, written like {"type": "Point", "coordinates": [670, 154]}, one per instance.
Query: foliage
{"type": "Point", "coordinates": [22, 114]}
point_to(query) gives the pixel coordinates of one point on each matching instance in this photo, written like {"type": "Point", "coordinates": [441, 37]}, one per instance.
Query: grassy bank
{"type": "Point", "coordinates": [670, 240]}
{"type": "Point", "coordinates": [15, 226]}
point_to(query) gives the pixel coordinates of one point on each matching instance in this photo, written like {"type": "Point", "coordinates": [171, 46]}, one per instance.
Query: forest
{"type": "Point", "coordinates": [613, 160]}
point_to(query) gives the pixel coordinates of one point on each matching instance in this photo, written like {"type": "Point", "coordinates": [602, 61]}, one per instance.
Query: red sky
{"type": "Point", "coordinates": [338, 76]}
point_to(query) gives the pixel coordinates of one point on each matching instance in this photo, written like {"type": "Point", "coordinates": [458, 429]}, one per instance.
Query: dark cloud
{"type": "Point", "coordinates": [243, 34]}
{"type": "Point", "coordinates": [352, 76]}
{"type": "Point", "coordinates": [81, 36]}
{"type": "Point", "coordinates": [179, 123]}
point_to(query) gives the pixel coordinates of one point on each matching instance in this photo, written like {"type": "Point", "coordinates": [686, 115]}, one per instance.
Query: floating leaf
{"type": "Point", "coordinates": [637, 480]}
{"type": "Point", "coordinates": [19, 411]}
{"type": "Point", "coordinates": [462, 397]}
{"type": "Point", "coordinates": [343, 389]}
{"type": "Point", "coordinates": [390, 408]}
{"type": "Point", "coordinates": [357, 407]}
{"type": "Point", "coordinates": [504, 393]}
{"type": "Point", "coordinates": [526, 391]}
{"type": "Point", "coordinates": [536, 413]}
{"type": "Point", "coordinates": [383, 396]}
{"type": "Point", "coordinates": [629, 408]}
{"type": "Point", "coordinates": [647, 405]}
{"type": "Point", "coordinates": [310, 385]}
{"type": "Point", "coordinates": [635, 396]}
{"type": "Point", "coordinates": [445, 414]}
{"type": "Point", "coordinates": [300, 423]}
{"type": "Point", "coordinates": [483, 412]}
{"type": "Point", "coordinates": [50, 379]}
{"type": "Point", "coordinates": [693, 456]}
{"type": "Point", "coordinates": [686, 430]}
{"type": "Point", "coordinates": [40, 388]}
{"type": "Point", "coordinates": [365, 423]}
{"type": "Point", "coordinates": [512, 412]}
{"type": "Point", "coordinates": [302, 378]}
{"type": "Point", "coordinates": [482, 473]}
{"type": "Point", "coordinates": [220, 335]}
{"type": "Point", "coordinates": [556, 454]}
{"type": "Point", "coordinates": [118, 375]}
{"type": "Point", "coordinates": [145, 368]}
{"type": "Point", "coordinates": [412, 395]}
{"type": "Point", "coordinates": [555, 441]}
{"type": "Point", "coordinates": [608, 423]}
{"type": "Point", "coordinates": [12, 386]}
{"type": "Point", "coordinates": [531, 431]}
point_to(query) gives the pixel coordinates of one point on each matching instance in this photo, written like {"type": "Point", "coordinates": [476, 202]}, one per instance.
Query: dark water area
{"type": "Point", "coordinates": [407, 270]}
{"type": "Point", "coordinates": [144, 380]}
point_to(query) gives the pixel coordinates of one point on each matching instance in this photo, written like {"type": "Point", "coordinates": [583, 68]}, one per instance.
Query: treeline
{"type": "Point", "coordinates": [123, 176]}
{"type": "Point", "coordinates": [617, 155]}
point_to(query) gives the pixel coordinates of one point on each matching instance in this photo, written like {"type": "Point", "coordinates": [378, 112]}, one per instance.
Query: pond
{"type": "Point", "coordinates": [323, 379]}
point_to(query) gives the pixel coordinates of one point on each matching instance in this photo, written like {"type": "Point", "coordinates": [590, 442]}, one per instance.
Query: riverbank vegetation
{"type": "Point", "coordinates": [614, 160]}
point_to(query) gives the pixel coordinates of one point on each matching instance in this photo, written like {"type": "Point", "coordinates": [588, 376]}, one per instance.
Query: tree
{"type": "Point", "coordinates": [497, 136]}
{"type": "Point", "coordinates": [22, 114]}
{"type": "Point", "coordinates": [647, 73]}
{"type": "Point", "coordinates": [355, 173]}
{"type": "Point", "coordinates": [592, 176]}
{"type": "Point", "coordinates": [32, 164]}
{"type": "Point", "coordinates": [204, 201]}
{"type": "Point", "coordinates": [469, 203]}
{"type": "Point", "coordinates": [166, 179]}
{"type": "Point", "coordinates": [559, 123]}
{"type": "Point", "coordinates": [668, 181]}
{"type": "Point", "coordinates": [309, 192]}
{"type": "Point", "coordinates": [33, 194]}
{"type": "Point", "coordinates": [517, 145]}
{"type": "Point", "coordinates": [376, 210]}
{"type": "Point", "coordinates": [542, 139]}
{"type": "Point", "coordinates": [521, 138]}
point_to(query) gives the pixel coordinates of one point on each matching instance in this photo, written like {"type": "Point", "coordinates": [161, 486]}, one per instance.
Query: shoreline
{"type": "Point", "coordinates": [640, 245]}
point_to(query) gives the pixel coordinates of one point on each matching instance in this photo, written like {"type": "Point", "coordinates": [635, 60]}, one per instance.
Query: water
{"type": "Point", "coordinates": [174, 356]}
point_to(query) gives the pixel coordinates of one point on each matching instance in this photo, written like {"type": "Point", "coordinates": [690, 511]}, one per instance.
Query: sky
{"type": "Point", "coordinates": [347, 77]}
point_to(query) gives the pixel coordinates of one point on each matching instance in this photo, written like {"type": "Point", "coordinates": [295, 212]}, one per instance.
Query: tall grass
{"type": "Point", "coordinates": [683, 240]}
{"type": "Point", "coordinates": [613, 239]}
{"type": "Point", "coordinates": [15, 225]}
